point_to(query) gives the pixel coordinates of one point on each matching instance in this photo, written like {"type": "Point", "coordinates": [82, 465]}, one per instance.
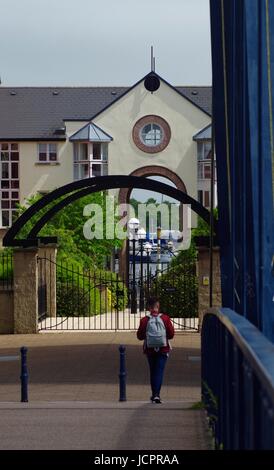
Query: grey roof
{"type": "Point", "coordinates": [199, 95]}
{"type": "Point", "coordinates": [36, 112]}
{"type": "Point", "coordinates": [204, 134]}
{"type": "Point", "coordinates": [91, 133]}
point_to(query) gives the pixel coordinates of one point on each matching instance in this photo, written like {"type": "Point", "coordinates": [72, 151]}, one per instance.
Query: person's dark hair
{"type": "Point", "coordinates": [152, 301]}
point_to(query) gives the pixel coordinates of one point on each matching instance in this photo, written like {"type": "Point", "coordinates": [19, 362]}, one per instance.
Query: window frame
{"type": "Point", "coordinates": [47, 161]}
{"type": "Point", "coordinates": [90, 161]}
{"type": "Point", "coordinates": [156, 143]}
{"type": "Point", "coordinates": [205, 196]}
{"type": "Point", "coordinates": [203, 162]}
{"type": "Point", "coordinates": [138, 128]}
{"type": "Point", "coordinates": [202, 143]}
{"type": "Point", "coordinates": [10, 186]}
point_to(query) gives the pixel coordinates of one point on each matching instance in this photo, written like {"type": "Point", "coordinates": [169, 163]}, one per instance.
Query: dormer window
{"type": "Point", "coordinates": [90, 152]}
{"type": "Point", "coordinates": [90, 159]}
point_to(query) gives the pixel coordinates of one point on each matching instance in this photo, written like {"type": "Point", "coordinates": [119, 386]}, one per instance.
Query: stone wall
{"type": "Point", "coordinates": [25, 291]}
{"type": "Point", "coordinates": [203, 280]}
{"type": "Point", "coordinates": [6, 311]}
{"type": "Point", "coordinates": [19, 305]}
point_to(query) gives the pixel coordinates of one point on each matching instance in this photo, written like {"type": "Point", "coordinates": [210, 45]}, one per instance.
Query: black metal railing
{"type": "Point", "coordinates": [237, 381]}
{"type": "Point", "coordinates": [73, 298]}
{"type": "Point", "coordinates": [6, 270]}
{"type": "Point", "coordinates": [70, 298]}
{"type": "Point", "coordinates": [176, 286]}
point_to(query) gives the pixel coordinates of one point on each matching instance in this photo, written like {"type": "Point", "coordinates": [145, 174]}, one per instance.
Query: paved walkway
{"type": "Point", "coordinates": [84, 366]}
{"type": "Point", "coordinates": [73, 394]}
{"type": "Point", "coordinates": [97, 425]}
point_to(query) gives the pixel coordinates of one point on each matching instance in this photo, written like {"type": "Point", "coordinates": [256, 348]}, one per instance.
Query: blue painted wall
{"type": "Point", "coordinates": [243, 109]}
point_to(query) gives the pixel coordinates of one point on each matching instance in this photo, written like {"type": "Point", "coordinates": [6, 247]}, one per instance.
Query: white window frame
{"type": "Point", "coordinates": [202, 143]}
{"type": "Point", "coordinates": [47, 161]}
{"type": "Point", "coordinates": [201, 170]}
{"type": "Point", "coordinates": [154, 144]}
{"type": "Point", "coordinates": [90, 161]}
{"type": "Point", "coordinates": [202, 161]}
{"type": "Point", "coordinates": [11, 199]}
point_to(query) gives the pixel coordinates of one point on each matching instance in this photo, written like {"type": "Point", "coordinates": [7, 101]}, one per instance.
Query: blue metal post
{"type": "Point", "coordinates": [122, 373]}
{"type": "Point", "coordinates": [24, 375]}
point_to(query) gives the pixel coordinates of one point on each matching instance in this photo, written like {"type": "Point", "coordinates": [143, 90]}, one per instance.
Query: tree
{"type": "Point", "coordinates": [67, 225]}
{"type": "Point", "coordinates": [203, 229]}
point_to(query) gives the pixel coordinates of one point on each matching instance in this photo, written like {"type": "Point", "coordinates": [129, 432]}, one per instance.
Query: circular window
{"type": "Point", "coordinates": [151, 134]}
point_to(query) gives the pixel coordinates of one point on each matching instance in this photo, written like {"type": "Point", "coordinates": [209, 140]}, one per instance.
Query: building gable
{"type": "Point", "coordinates": [38, 113]}
{"type": "Point", "coordinates": [181, 91]}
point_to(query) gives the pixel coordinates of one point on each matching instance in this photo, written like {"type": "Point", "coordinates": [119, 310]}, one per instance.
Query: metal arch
{"type": "Point", "coordinates": [89, 186]}
{"type": "Point", "coordinates": [60, 205]}
{"type": "Point", "coordinates": [77, 195]}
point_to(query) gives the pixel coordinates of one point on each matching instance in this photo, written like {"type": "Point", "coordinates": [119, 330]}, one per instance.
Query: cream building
{"type": "Point", "coordinates": [51, 136]}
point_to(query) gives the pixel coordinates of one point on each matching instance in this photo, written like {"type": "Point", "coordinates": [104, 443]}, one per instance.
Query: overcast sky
{"type": "Point", "coordinates": [103, 42]}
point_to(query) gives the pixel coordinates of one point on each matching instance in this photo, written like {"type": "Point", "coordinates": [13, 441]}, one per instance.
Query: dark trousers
{"type": "Point", "coordinates": [157, 364]}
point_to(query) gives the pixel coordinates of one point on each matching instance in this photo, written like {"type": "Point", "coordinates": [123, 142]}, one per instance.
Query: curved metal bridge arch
{"type": "Point", "coordinates": [81, 188]}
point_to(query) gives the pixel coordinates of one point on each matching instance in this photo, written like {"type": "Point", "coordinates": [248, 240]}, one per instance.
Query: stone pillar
{"type": "Point", "coordinates": [25, 290]}
{"type": "Point", "coordinates": [47, 255]}
{"type": "Point", "coordinates": [203, 271]}
{"type": "Point", "coordinates": [6, 311]}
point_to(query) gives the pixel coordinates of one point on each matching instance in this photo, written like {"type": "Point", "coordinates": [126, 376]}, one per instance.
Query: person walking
{"type": "Point", "coordinates": [156, 330]}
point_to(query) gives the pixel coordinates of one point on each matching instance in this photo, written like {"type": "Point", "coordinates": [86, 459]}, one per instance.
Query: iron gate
{"type": "Point", "coordinates": [71, 298]}
{"type": "Point", "coordinates": [176, 286]}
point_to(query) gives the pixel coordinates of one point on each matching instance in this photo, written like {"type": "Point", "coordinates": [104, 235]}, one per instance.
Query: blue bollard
{"type": "Point", "coordinates": [122, 374]}
{"type": "Point", "coordinates": [24, 375]}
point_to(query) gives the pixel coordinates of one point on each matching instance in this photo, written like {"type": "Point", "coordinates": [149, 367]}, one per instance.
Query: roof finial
{"type": "Point", "coordinates": [152, 58]}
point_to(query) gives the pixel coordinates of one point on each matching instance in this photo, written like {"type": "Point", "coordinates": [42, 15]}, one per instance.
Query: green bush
{"type": "Point", "coordinates": [185, 256]}
{"type": "Point", "coordinates": [84, 292]}
{"type": "Point", "coordinates": [70, 301]}
{"type": "Point", "coordinates": [203, 229]}
{"type": "Point", "coordinates": [177, 287]}
{"type": "Point", "coordinates": [177, 290]}
{"type": "Point", "coordinates": [118, 289]}
{"type": "Point", "coordinates": [6, 266]}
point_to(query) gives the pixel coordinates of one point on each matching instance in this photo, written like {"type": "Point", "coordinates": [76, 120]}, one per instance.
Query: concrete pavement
{"type": "Point", "coordinates": [84, 366]}
{"type": "Point", "coordinates": [101, 425]}
{"type": "Point", "coordinates": [73, 395]}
